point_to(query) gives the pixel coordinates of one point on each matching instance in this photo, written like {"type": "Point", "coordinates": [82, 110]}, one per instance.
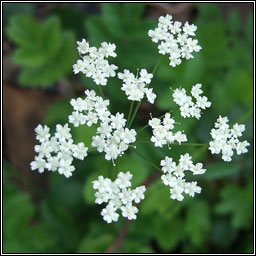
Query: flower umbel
{"type": "Point", "coordinates": [118, 195]}
{"type": "Point", "coordinates": [174, 39]}
{"type": "Point", "coordinates": [174, 176]}
{"type": "Point", "coordinates": [225, 140]}
{"type": "Point", "coordinates": [93, 63]}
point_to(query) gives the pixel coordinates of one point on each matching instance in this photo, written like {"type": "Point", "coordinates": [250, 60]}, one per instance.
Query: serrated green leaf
{"type": "Point", "coordinates": [56, 68]}
{"type": "Point", "coordinates": [50, 36]}
{"type": "Point", "coordinates": [239, 203]}
{"type": "Point", "coordinates": [111, 17]}
{"type": "Point", "coordinates": [29, 57]}
{"type": "Point", "coordinates": [96, 31]}
{"type": "Point", "coordinates": [23, 30]}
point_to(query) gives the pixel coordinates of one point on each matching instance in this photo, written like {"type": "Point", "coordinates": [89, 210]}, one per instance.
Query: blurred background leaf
{"type": "Point", "coordinates": [63, 217]}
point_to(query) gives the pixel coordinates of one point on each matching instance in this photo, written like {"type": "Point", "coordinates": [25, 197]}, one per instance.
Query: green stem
{"type": "Point", "coordinates": [101, 92]}
{"type": "Point", "coordinates": [244, 117]}
{"type": "Point", "coordinates": [147, 125]}
{"type": "Point", "coordinates": [147, 140]}
{"type": "Point", "coordinates": [157, 64]}
{"type": "Point", "coordinates": [130, 112]}
{"type": "Point", "coordinates": [134, 114]}
{"type": "Point", "coordinates": [148, 161]}
{"type": "Point", "coordinates": [139, 103]}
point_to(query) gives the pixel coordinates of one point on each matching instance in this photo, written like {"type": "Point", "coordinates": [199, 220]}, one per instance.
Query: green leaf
{"type": "Point", "coordinates": [23, 30]}
{"type": "Point", "coordinates": [155, 192]}
{"type": "Point", "coordinates": [29, 57]}
{"type": "Point", "coordinates": [11, 9]}
{"type": "Point", "coordinates": [237, 202]}
{"type": "Point", "coordinates": [131, 12]}
{"type": "Point", "coordinates": [239, 86]}
{"type": "Point", "coordinates": [169, 232]}
{"type": "Point", "coordinates": [111, 17]}
{"type": "Point", "coordinates": [97, 240]}
{"type": "Point", "coordinates": [58, 113]}
{"type": "Point", "coordinates": [221, 170]}
{"type": "Point", "coordinates": [96, 30]}
{"type": "Point", "coordinates": [17, 213]}
{"type": "Point", "coordinates": [84, 134]}
{"type": "Point", "coordinates": [198, 222]}
{"type": "Point", "coordinates": [51, 36]}
{"type": "Point", "coordinates": [64, 191]}
{"type": "Point", "coordinates": [54, 69]}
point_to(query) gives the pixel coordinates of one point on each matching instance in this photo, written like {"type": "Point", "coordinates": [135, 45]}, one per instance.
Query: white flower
{"type": "Point", "coordinates": [118, 195]}
{"type": "Point", "coordinates": [62, 132]}
{"type": "Point", "coordinates": [191, 188]}
{"type": "Point", "coordinates": [174, 40]}
{"type": "Point", "coordinates": [189, 29]}
{"type": "Point", "coordinates": [123, 180]}
{"type": "Point", "coordinates": [241, 147]}
{"type": "Point", "coordinates": [39, 163]}
{"type": "Point", "coordinates": [129, 211]}
{"type": "Point", "coordinates": [42, 133]}
{"type": "Point", "coordinates": [185, 162]}
{"type": "Point", "coordinates": [93, 63]}
{"type": "Point", "coordinates": [135, 87]}
{"type": "Point", "coordinates": [168, 165]}
{"type": "Point", "coordinates": [225, 140]}
{"type": "Point", "coordinates": [109, 214]}
{"type": "Point", "coordinates": [139, 194]}
{"type": "Point", "coordinates": [83, 47]}
{"type": "Point", "coordinates": [162, 133]}
{"type": "Point", "coordinates": [187, 107]}
{"type": "Point", "coordinates": [66, 170]}
{"type": "Point", "coordinates": [79, 151]}
{"type": "Point", "coordinates": [174, 176]}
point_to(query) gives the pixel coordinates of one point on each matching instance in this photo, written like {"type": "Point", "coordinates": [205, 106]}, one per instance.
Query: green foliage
{"type": "Point", "coordinates": [66, 219]}
{"type": "Point", "coordinates": [123, 25]}
{"type": "Point", "coordinates": [237, 202]}
{"type": "Point", "coordinates": [45, 52]}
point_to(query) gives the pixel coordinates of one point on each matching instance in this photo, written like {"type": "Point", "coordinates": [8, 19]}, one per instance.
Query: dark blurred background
{"type": "Point", "coordinates": [47, 213]}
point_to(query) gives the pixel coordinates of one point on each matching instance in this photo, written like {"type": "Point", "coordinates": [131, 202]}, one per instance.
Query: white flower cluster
{"type": "Point", "coordinates": [174, 176]}
{"type": "Point", "coordinates": [118, 195]}
{"type": "Point", "coordinates": [113, 138]}
{"type": "Point", "coordinates": [187, 107]}
{"type": "Point", "coordinates": [225, 140]}
{"type": "Point", "coordinates": [56, 153]}
{"type": "Point", "coordinates": [89, 110]}
{"type": "Point", "coordinates": [175, 39]}
{"type": "Point", "coordinates": [135, 87]}
{"type": "Point", "coordinates": [162, 133]}
{"type": "Point", "coordinates": [93, 63]}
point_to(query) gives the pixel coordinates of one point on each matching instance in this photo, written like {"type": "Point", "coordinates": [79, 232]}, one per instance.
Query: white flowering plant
{"type": "Point", "coordinates": [116, 135]}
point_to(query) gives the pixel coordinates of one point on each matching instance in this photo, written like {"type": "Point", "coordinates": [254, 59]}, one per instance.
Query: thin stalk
{"type": "Point", "coordinates": [130, 112]}
{"type": "Point", "coordinates": [157, 64]}
{"type": "Point", "coordinates": [139, 103]}
{"type": "Point", "coordinates": [147, 125]}
{"type": "Point", "coordinates": [134, 114]}
{"type": "Point", "coordinates": [148, 161]}
{"type": "Point", "coordinates": [101, 92]}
